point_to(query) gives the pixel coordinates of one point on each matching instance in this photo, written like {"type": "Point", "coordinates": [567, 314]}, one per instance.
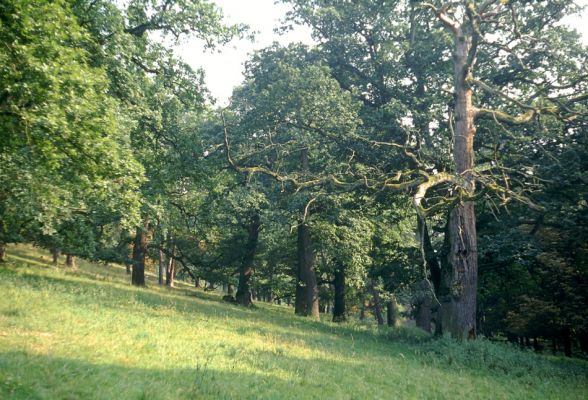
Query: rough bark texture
{"type": "Point", "coordinates": [244, 296]}
{"type": "Point", "coordinates": [423, 314]}
{"type": "Point", "coordinates": [392, 311]}
{"type": "Point", "coordinates": [300, 295]}
{"type": "Point", "coordinates": [339, 312]}
{"type": "Point", "coordinates": [307, 276]}
{"type": "Point", "coordinates": [139, 255]}
{"type": "Point", "coordinates": [459, 310]}
{"type": "Point", "coordinates": [170, 273]}
{"type": "Point", "coordinates": [70, 261]}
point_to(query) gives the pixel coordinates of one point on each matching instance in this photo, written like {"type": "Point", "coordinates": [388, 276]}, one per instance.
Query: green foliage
{"type": "Point", "coordinates": [62, 144]}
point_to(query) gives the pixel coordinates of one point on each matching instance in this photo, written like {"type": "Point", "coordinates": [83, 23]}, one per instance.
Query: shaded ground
{"type": "Point", "coordinates": [87, 334]}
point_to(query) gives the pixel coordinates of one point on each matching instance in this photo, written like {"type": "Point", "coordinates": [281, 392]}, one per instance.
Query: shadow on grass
{"type": "Point", "coordinates": [480, 358]}
{"type": "Point", "coordinates": [120, 297]}
{"type": "Point", "coordinates": [29, 376]}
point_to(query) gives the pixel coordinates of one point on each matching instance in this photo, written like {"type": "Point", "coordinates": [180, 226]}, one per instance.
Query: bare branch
{"type": "Point", "coordinates": [441, 13]}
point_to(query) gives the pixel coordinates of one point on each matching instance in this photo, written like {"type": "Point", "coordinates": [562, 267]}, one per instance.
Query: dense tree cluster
{"type": "Point", "coordinates": [423, 158]}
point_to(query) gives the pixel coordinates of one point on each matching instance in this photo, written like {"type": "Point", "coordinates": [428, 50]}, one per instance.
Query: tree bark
{"type": "Point", "coordinates": [459, 309]}
{"type": "Point", "coordinates": [377, 302]}
{"type": "Point", "coordinates": [423, 313]}
{"type": "Point", "coordinates": [244, 296]}
{"type": "Point", "coordinates": [70, 261]}
{"type": "Point", "coordinates": [170, 273]}
{"type": "Point", "coordinates": [339, 312]}
{"type": "Point", "coordinates": [2, 252]}
{"type": "Point", "coordinates": [392, 310]}
{"type": "Point", "coordinates": [162, 268]}
{"type": "Point", "coordinates": [139, 255]}
{"type": "Point", "coordinates": [309, 292]}
{"type": "Point", "coordinates": [55, 253]}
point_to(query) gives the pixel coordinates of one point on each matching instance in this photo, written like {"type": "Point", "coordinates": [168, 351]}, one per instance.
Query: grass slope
{"type": "Point", "coordinates": [87, 334]}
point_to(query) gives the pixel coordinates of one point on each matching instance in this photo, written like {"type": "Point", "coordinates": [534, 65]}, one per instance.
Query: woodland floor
{"type": "Point", "coordinates": [88, 334]}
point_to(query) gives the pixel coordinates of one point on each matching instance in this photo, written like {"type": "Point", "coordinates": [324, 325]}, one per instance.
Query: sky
{"type": "Point", "coordinates": [224, 68]}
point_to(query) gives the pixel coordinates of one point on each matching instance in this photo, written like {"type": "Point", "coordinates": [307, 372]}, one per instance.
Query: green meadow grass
{"type": "Point", "coordinates": [88, 334]}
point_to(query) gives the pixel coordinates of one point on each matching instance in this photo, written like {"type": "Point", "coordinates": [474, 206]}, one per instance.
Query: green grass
{"type": "Point", "coordinates": [87, 334]}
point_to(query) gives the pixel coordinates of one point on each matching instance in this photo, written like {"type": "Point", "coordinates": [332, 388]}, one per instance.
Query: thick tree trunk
{"type": "Point", "coordinates": [139, 255]}
{"type": "Point", "coordinates": [392, 310]}
{"type": "Point", "coordinates": [230, 289]}
{"type": "Point", "coordinates": [424, 313]}
{"type": "Point", "coordinates": [300, 294]}
{"type": "Point", "coordinates": [55, 253]}
{"type": "Point", "coordinates": [170, 273]}
{"type": "Point", "coordinates": [308, 276]}
{"type": "Point", "coordinates": [377, 302]}
{"type": "Point", "coordinates": [459, 311]}
{"type": "Point", "coordinates": [339, 312]}
{"type": "Point", "coordinates": [244, 295]}
{"type": "Point", "coordinates": [70, 261]}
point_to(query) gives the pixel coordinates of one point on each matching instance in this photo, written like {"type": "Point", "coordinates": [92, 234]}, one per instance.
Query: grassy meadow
{"type": "Point", "coordinates": [88, 334]}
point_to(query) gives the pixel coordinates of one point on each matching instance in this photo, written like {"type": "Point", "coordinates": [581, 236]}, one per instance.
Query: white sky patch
{"type": "Point", "coordinates": [224, 68]}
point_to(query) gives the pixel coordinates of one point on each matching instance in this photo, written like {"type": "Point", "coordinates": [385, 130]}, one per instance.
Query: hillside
{"type": "Point", "coordinates": [87, 334]}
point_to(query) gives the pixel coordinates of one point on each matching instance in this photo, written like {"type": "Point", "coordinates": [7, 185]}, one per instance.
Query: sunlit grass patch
{"type": "Point", "coordinates": [88, 334]}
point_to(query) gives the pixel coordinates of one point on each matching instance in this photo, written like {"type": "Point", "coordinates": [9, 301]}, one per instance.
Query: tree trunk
{"type": "Point", "coordinates": [300, 294]}
{"type": "Point", "coordinates": [377, 303]}
{"type": "Point", "coordinates": [139, 255]}
{"type": "Point", "coordinates": [306, 267]}
{"type": "Point", "coordinates": [170, 273]}
{"type": "Point", "coordinates": [459, 311]}
{"type": "Point", "coordinates": [424, 314]}
{"type": "Point", "coordinates": [197, 283]}
{"type": "Point", "coordinates": [2, 252]}
{"type": "Point", "coordinates": [70, 261]}
{"type": "Point", "coordinates": [339, 312]}
{"type": "Point", "coordinates": [244, 295]}
{"type": "Point", "coordinates": [162, 268]}
{"type": "Point", "coordinates": [391, 308]}
{"type": "Point", "coordinates": [230, 289]}
{"type": "Point", "coordinates": [55, 253]}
